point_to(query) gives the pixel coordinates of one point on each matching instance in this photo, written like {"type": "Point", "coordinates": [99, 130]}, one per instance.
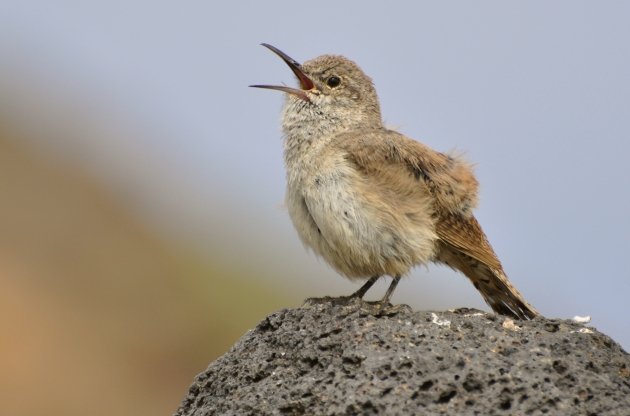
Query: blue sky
{"type": "Point", "coordinates": [152, 97]}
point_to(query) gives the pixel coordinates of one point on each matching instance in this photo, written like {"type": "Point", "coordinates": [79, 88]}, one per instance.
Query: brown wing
{"type": "Point", "coordinates": [449, 178]}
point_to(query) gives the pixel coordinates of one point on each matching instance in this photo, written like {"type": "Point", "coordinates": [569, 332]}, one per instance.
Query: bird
{"type": "Point", "coordinates": [373, 202]}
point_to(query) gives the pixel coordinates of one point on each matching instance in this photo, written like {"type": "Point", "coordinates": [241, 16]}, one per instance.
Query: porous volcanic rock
{"type": "Point", "coordinates": [340, 358]}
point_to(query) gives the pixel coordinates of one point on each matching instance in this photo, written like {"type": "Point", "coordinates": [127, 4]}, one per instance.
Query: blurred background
{"type": "Point", "coordinates": [142, 228]}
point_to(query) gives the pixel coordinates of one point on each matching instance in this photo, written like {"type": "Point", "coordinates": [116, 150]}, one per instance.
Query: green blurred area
{"type": "Point", "coordinates": [100, 315]}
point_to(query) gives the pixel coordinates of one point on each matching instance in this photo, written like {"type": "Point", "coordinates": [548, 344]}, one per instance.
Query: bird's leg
{"type": "Point", "coordinates": [363, 289]}
{"type": "Point", "coordinates": [390, 291]}
{"type": "Point", "coordinates": [344, 299]}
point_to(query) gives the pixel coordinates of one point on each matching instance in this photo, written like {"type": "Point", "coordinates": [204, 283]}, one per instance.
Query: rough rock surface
{"type": "Point", "coordinates": [330, 358]}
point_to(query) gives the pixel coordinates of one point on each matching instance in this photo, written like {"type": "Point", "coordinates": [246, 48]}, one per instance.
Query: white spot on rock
{"type": "Point", "coordinates": [581, 319]}
{"type": "Point", "coordinates": [509, 324]}
{"type": "Point", "coordinates": [441, 322]}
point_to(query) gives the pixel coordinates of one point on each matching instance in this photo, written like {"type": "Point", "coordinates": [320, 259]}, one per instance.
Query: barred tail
{"type": "Point", "coordinates": [492, 283]}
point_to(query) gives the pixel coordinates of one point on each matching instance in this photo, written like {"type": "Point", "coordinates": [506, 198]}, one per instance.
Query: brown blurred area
{"type": "Point", "coordinates": [99, 314]}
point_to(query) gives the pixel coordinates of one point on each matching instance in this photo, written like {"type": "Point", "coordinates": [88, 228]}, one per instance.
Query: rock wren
{"type": "Point", "coordinates": [371, 201]}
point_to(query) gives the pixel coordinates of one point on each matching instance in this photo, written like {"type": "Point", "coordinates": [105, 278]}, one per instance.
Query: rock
{"type": "Point", "coordinates": [339, 358]}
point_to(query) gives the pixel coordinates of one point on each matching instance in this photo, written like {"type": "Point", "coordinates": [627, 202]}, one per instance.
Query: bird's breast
{"type": "Point", "coordinates": [337, 215]}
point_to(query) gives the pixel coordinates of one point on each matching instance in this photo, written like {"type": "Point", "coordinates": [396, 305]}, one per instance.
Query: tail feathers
{"type": "Point", "coordinates": [491, 282]}
{"type": "Point", "coordinates": [502, 297]}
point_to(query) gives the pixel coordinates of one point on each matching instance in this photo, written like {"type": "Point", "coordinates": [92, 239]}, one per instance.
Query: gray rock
{"type": "Point", "coordinates": [331, 358]}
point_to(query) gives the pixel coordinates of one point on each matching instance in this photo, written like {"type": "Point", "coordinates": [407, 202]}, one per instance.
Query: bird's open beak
{"type": "Point", "coordinates": [306, 84]}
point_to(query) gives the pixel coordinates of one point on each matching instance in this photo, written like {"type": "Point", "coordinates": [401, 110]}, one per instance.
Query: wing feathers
{"type": "Point", "coordinates": [449, 178]}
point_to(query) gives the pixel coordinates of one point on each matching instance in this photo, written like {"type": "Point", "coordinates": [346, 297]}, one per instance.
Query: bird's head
{"type": "Point", "coordinates": [333, 91]}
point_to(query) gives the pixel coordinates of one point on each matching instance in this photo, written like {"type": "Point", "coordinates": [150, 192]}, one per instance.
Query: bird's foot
{"type": "Point", "coordinates": [386, 309]}
{"type": "Point", "coordinates": [377, 308]}
{"type": "Point", "coordinates": [339, 300]}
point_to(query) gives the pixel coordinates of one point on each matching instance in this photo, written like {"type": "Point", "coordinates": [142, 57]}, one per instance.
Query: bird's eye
{"type": "Point", "coordinates": [333, 81]}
